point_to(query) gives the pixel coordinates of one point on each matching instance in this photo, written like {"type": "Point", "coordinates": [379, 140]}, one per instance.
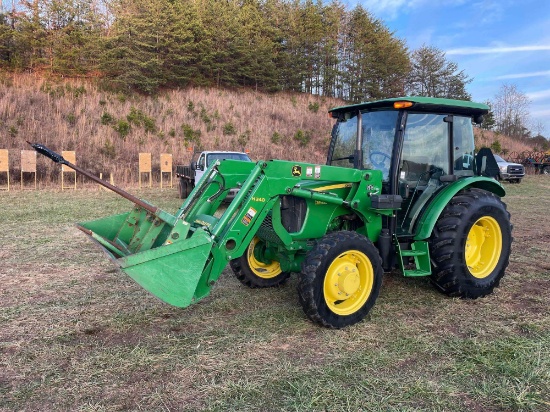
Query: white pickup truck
{"type": "Point", "coordinates": [190, 175]}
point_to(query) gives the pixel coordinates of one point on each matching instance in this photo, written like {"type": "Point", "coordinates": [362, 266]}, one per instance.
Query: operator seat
{"type": "Point", "coordinates": [486, 165]}
{"type": "Point", "coordinates": [415, 169]}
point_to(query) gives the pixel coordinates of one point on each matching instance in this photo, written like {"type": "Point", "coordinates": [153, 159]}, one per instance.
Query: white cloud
{"type": "Point", "coordinates": [498, 49]}
{"type": "Point", "coordinates": [523, 75]}
{"type": "Point", "coordinates": [388, 8]}
{"type": "Point", "coordinates": [542, 94]}
{"type": "Point", "coordinates": [491, 11]}
{"type": "Point", "coordinates": [541, 113]}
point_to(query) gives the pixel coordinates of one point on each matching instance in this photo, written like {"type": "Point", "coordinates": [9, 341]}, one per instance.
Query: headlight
{"type": "Point", "coordinates": [503, 168]}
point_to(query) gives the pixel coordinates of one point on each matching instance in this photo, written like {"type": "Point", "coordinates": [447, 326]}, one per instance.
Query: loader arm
{"type": "Point", "coordinates": [179, 257]}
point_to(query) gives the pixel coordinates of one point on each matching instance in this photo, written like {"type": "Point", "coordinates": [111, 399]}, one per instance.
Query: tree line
{"type": "Point", "coordinates": [271, 45]}
{"type": "Point", "coordinates": [309, 46]}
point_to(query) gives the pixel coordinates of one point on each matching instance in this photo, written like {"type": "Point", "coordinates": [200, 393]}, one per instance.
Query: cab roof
{"type": "Point", "coordinates": [422, 104]}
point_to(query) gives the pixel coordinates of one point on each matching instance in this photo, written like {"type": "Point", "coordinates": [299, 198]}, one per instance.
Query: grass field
{"type": "Point", "coordinates": [76, 334]}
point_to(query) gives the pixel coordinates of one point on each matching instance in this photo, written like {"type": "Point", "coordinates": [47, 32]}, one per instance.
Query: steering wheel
{"type": "Point", "coordinates": [378, 159]}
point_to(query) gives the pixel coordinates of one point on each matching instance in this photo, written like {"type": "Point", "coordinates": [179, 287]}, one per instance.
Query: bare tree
{"type": "Point", "coordinates": [511, 111]}
{"type": "Point", "coordinates": [538, 128]}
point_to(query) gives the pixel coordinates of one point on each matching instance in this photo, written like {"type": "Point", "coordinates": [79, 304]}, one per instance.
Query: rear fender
{"type": "Point", "coordinates": [433, 210]}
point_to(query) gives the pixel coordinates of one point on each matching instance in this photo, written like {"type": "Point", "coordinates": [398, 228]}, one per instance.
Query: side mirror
{"type": "Point", "coordinates": [193, 165]}
{"type": "Point", "coordinates": [478, 119]}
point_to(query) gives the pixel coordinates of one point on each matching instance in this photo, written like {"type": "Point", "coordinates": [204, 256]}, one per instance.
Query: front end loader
{"type": "Point", "coordinates": [402, 188]}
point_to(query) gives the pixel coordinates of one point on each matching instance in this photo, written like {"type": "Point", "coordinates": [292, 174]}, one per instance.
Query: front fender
{"type": "Point", "coordinates": [431, 213]}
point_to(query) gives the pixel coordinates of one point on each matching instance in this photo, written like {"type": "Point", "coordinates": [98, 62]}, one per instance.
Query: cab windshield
{"type": "Point", "coordinates": [378, 132]}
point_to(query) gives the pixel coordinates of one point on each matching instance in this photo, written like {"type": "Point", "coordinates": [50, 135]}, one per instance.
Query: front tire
{"type": "Point", "coordinates": [340, 281]}
{"type": "Point", "coordinates": [470, 245]}
{"type": "Point", "coordinates": [256, 272]}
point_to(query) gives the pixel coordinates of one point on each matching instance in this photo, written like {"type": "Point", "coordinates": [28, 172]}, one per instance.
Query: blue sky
{"type": "Point", "coordinates": [494, 41]}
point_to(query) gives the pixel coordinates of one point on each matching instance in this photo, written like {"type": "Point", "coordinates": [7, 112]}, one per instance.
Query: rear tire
{"type": "Point", "coordinates": [340, 281]}
{"type": "Point", "coordinates": [253, 272]}
{"type": "Point", "coordinates": [470, 244]}
{"type": "Point", "coordinates": [184, 188]}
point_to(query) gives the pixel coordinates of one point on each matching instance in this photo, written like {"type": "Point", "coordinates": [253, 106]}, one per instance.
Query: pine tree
{"type": "Point", "coordinates": [433, 75]}
{"type": "Point", "coordinates": [135, 51]}
{"type": "Point", "coordinates": [333, 24]}
{"type": "Point", "coordinates": [32, 40]}
{"type": "Point", "coordinates": [74, 28]}
{"type": "Point", "coordinates": [260, 48]}
{"type": "Point", "coordinates": [184, 44]}
{"type": "Point", "coordinates": [375, 63]}
{"type": "Point", "coordinates": [7, 37]}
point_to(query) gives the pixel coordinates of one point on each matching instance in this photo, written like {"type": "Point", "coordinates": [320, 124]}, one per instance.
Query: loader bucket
{"type": "Point", "coordinates": [160, 251]}
{"type": "Point", "coordinates": [156, 252]}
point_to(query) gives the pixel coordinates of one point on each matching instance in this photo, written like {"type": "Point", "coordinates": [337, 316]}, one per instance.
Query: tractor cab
{"type": "Point", "coordinates": [419, 144]}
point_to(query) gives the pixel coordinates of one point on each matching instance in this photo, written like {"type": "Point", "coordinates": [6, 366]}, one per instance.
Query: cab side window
{"type": "Point", "coordinates": [463, 145]}
{"type": "Point", "coordinates": [425, 148]}
{"type": "Point", "coordinates": [200, 162]}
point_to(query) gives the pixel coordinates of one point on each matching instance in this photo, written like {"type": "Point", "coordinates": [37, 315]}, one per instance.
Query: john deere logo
{"type": "Point", "coordinates": [296, 170]}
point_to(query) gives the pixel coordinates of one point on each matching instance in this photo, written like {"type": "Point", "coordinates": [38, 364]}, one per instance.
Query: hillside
{"type": "Point", "coordinates": [486, 138]}
{"type": "Point", "coordinates": [108, 130]}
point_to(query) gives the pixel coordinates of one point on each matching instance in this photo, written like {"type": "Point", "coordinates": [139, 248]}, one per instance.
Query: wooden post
{"type": "Point", "coordinates": [165, 166]}
{"type": "Point", "coordinates": [28, 164]}
{"type": "Point", "coordinates": [145, 167]}
{"type": "Point", "coordinates": [70, 156]}
{"type": "Point", "coordinates": [5, 165]}
{"type": "Point", "coordinates": [111, 180]}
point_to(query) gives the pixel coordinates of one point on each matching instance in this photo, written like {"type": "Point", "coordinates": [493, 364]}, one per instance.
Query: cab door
{"type": "Point", "coordinates": [201, 167]}
{"type": "Point", "coordinates": [425, 157]}
{"type": "Point", "coordinates": [437, 150]}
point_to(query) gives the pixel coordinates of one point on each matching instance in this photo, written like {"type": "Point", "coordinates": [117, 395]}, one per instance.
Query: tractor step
{"type": "Point", "coordinates": [411, 273]}
{"type": "Point", "coordinates": [421, 256]}
{"type": "Point", "coordinates": [413, 253]}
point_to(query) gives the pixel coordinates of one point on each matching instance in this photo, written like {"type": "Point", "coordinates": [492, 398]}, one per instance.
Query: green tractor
{"type": "Point", "coordinates": [401, 188]}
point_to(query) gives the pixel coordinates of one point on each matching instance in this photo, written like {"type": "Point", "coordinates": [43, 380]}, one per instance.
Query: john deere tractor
{"type": "Point", "coordinates": [401, 188]}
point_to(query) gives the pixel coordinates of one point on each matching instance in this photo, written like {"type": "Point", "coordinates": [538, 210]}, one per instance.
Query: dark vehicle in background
{"type": "Point", "coordinates": [541, 164]}
{"type": "Point", "coordinates": [512, 172]}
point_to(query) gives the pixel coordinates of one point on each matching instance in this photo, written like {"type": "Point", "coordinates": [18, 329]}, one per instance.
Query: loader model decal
{"type": "Point", "coordinates": [248, 216]}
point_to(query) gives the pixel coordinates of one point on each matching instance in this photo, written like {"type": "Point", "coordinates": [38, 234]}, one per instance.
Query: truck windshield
{"type": "Point", "coordinates": [212, 157]}
{"type": "Point", "coordinates": [378, 130]}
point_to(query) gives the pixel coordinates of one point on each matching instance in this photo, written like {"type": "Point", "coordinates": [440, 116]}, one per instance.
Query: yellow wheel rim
{"type": "Point", "coordinates": [483, 247]}
{"type": "Point", "coordinates": [348, 282]}
{"type": "Point", "coordinates": [261, 269]}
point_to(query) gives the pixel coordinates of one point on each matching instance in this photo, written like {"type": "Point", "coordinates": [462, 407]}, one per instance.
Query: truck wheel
{"type": "Point", "coordinates": [255, 273]}
{"type": "Point", "coordinates": [184, 188]}
{"type": "Point", "coordinates": [546, 170]}
{"type": "Point", "coordinates": [340, 280]}
{"type": "Point", "coordinates": [470, 244]}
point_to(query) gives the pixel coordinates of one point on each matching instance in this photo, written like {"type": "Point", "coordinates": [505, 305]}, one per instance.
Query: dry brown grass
{"type": "Point", "coordinates": [485, 138]}
{"type": "Point", "coordinates": [66, 115]}
{"type": "Point", "coordinates": [76, 334]}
